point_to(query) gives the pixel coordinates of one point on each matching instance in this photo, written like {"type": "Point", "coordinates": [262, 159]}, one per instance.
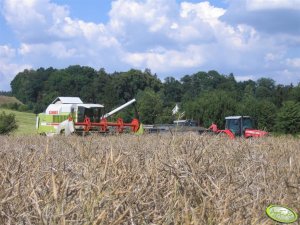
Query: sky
{"type": "Point", "coordinates": [249, 38]}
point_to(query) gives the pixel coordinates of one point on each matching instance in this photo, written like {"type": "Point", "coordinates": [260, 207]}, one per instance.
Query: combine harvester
{"type": "Point", "coordinates": [239, 126]}
{"type": "Point", "coordinates": [70, 114]}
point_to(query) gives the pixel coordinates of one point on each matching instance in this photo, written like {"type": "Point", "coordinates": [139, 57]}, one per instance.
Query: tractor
{"type": "Point", "coordinates": [241, 126]}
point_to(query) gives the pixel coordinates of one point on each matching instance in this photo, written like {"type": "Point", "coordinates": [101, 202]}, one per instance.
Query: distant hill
{"type": "Point", "coordinates": [7, 99]}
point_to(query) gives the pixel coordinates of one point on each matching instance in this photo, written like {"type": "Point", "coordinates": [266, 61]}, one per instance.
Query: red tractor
{"type": "Point", "coordinates": [241, 126]}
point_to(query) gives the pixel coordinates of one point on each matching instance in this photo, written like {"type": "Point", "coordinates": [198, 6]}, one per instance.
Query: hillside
{"type": "Point", "coordinates": [26, 122]}
{"type": "Point", "coordinates": [7, 99]}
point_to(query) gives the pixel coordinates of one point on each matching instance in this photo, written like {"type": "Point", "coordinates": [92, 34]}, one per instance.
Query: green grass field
{"type": "Point", "coordinates": [26, 122]}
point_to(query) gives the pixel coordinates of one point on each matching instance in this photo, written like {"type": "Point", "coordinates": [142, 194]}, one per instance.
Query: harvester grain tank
{"type": "Point", "coordinates": [69, 114]}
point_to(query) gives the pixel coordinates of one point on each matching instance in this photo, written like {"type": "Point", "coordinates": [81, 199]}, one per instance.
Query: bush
{"type": "Point", "coordinates": [7, 123]}
{"type": "Point", "coordinates": [23, 108]}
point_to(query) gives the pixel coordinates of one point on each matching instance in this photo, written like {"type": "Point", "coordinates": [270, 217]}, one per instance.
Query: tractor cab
{"type": "Point", "coordinates": [242, 126]}
{"type": "Point", "coordinates": [238, 124]}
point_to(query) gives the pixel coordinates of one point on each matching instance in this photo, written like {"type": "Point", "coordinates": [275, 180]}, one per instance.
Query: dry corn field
{"type": "Point", "coordinates": [149, 179]}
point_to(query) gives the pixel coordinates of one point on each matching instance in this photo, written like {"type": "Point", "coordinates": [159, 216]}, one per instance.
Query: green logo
{"type": "Point", "coordinates": [281, 214]}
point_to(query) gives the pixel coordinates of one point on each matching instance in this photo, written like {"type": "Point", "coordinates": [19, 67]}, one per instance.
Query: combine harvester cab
{"type": "Point", "coordinates": [241, 126]}
{"type": "Point", "coordinates": [70, 114]}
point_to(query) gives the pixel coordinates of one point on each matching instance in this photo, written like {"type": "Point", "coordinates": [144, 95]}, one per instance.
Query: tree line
{"type": "Point", "coordinates": [6, 93]}
{"type": "Point", "coordinates": [203, 96]}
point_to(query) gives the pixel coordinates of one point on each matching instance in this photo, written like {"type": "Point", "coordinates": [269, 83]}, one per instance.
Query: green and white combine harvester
{"type": "Point", "coordinates": [70, 114]}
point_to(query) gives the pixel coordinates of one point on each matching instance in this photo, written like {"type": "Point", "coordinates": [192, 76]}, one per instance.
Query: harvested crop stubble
{"type": "Point", "coordinates": [150, 179]}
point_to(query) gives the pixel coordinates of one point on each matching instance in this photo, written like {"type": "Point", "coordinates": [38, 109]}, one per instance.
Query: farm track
{"type": "Point", "coordinates": [150, 179]}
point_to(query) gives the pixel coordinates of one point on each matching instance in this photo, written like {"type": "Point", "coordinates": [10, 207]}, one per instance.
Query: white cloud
{"type": "Point", "coordinates": [50, 37]}
{"type": "Point", "coordinates": [193, 56]}
{"type": "Point", "coordinates": [269, 57]}
{"type": "Point", "coordinates": [286, 76]}
{"type": "Point", "coordinates": [154, 14]}
{"type": "Point", "coordinates": [6, 52]}
{"type": "Point", "coordinates": [191, 36]}
{"type": "Point", "coordinates": [244, 78]}
{"type": "Point", "coordinates": [32, 19]}
{"type": "Point", "coordinates": [8, 69]}
{"type": "Point", "coordinates": [272, 17]}
{"type": "Point", "coordinates": [203, 10]}
{"type": "Point", "coordinates": [295, 62]}
{"type": "Point", "coordinates": [24, 49]}
{"type": "Point", "coordinates": [162, 35]}
{"type": "Point", "coordinates": [43, 22]}
{"type": "Point", "coordinates": [272, 4]}
{"type": "Point", "coordinates": [195, 22]}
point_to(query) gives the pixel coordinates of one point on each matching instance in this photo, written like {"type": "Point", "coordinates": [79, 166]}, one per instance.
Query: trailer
{"type": "Point", "coordinates": [187, 125]}
{"type": "Point", "coordinates": [70, 114]}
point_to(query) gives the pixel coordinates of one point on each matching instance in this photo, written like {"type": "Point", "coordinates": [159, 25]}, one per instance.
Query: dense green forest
{"type": "Point", "coordinates": [203, 96]}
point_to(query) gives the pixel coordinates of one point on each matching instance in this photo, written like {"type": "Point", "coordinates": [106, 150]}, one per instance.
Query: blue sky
{"type": "Point", "coordinates": [249, 38]}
